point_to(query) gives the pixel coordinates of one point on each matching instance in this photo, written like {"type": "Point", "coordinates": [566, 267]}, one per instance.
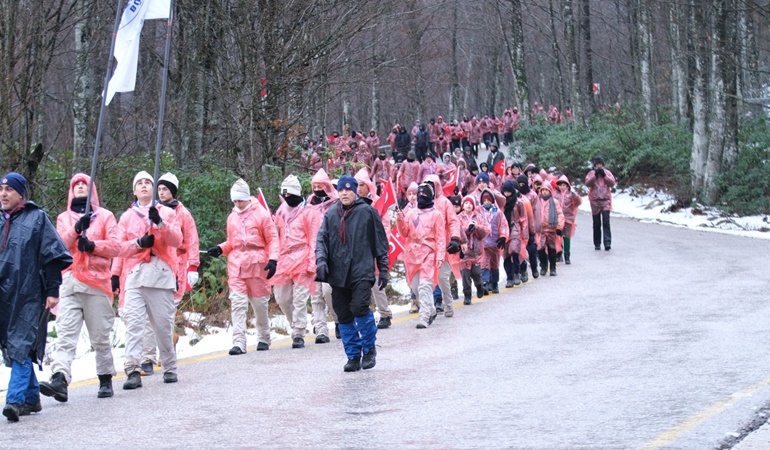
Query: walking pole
{"type": "Point", "coordinates": [107, 77]}
{"type": "Point", "coordinates": [164, 78]}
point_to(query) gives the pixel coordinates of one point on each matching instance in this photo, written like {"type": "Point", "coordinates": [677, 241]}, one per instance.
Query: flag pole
{"type": "Point", "coordinates": [107, 77]}
{"type": "Point", "coordinates": [161, 113]}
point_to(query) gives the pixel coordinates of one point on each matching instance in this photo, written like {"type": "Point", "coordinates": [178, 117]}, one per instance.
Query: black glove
{"type": "Point", "coordinates": [115, 280]}
{"type": "Point", "coordinates": [382, 281]}
{"type": "Point", "coordinates": [83, 223]}
{"type": "Point", "coordinates": [501, 243]}
{"type": "Point", "coordinates": [321, 272]}
{"type": "Point", "coordinates": [146, 241]}
{"type": "Point", "coordinates": [270, 267]}
{"type": "Point", "coordinates": [471, 228]}
{"type": "Point", "coordinates": [559, 232]}
{"type": "Point", "coordinates": [215, 251]}
{"type": "Point", "coordinates": [85, 245]}
{"type": "Point", "coordinates": [453, 247]}
{"type": "Point", "coordinates": [599, 172]}
{"type": "Point", "coordinates": [457, 189]}
{"type": "Point", "coordinates": [154, 215]}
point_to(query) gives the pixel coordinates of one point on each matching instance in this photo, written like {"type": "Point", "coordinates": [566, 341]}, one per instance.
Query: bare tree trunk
{"type": "Point", "coordinates": [697, 45]}
{"type": "Point", "coordinates": [585, 29]}
{"type": "Point", "coordinates": [556, 56]}
{"type": "Point", "coordinates": [454, 95]}
{"type": "Point", "coordinates": [645, 60]}
{"type": "Point", "coordinates": [730, 74]}
{"type": "Point", "coordinates": [678, 79]}
{"type": "Point", "coordinates": [572, 57]}
{"type": "Point", "coordinates": [517, 59]}
{"type": "Point", "coordinates": [717, 119]}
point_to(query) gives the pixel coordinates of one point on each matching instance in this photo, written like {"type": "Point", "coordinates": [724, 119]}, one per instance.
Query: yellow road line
{"type": "Point", "coordinates": [678, 430]}
{"type": "Point", "coordinates": [222, 354]}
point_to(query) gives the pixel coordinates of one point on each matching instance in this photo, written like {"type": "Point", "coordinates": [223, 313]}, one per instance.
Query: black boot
{"type": "Point", "coordinates": [369, 359]}
{"type": "Point", "coordinates": [385, 322]}
{"type": "Point", "coordinates": [566, 259]}
{"type": "Point", "coordinates": [337, 331]}
{"type": "Point", "coordinates": [543, 257]}
{"type": "Point", "coordinates": [353, 365]}
{"type": "Point", "coordinates": [133, 381]}
{"type": "Point", "coordinates": [56, 388]}
{"type": "Point", "coordinates": [105, 386]}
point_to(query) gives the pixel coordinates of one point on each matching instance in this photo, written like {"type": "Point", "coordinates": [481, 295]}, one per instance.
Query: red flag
{"type": "Point", "coordinates": [451, 183]}
{"type": "Point", "coordinates": [500, 167]}
{"type": "Point", "coordinates": [262, 201]}
{"type": "Point", "coordinates": [395, 247]}
{"type": "Point", "coordinates": [387, 199]}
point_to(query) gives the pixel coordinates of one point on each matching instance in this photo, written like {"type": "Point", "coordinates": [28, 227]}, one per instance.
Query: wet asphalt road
{"type": "Point", "coordinates": [645, 342]}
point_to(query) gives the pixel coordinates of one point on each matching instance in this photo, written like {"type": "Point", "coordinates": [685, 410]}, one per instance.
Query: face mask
{"type": "Point", "coordinates": [320, 194]}
{"type": "Point", "coordinates": [293, 200]}
{"type": "Point", "coordinates": [424, 202]}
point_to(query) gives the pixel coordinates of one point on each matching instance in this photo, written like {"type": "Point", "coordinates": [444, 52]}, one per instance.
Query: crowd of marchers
{"type": "Point", "coordinates": [454, 219]}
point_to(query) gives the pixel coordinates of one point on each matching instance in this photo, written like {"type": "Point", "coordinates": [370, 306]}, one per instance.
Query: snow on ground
{"type": "Point", "coordinates": [647, 206]}
{"type": "Point", "coordinates": [655, 207]}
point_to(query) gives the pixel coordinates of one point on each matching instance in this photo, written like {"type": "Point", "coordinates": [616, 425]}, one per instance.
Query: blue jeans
{"type": "Point", "coordinates": [23, 385]}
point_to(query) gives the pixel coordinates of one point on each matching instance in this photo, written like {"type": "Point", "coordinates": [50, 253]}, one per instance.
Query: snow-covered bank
{"type": "Point", "coordinates": [655, 207]}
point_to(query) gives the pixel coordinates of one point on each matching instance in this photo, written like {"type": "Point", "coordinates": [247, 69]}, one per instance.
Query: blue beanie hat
{"type": "Point", "coordinates": [347, 182]}
{"type": "Point", "coordinates": [482, 176]}
{"type": "Point", "coordinates": [17, 182]}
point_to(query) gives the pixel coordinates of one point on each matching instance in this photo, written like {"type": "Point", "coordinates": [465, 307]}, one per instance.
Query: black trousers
{"type": "Point", "coordinates": [602, 226]}
{"type": "Point", "coordinates": [352, 302]}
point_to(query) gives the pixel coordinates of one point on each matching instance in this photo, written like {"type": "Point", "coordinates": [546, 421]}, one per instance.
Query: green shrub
{"type": "Point", "coordinates": [746, 188]}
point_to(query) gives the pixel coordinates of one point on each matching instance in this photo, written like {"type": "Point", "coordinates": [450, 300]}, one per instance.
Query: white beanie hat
{"type": "Point", "coordinates": [291, 185]}
{"type": "Point", "coordinates": [143, 175]}
{"type": "Point", "coordinates": [171, 178]}
{"type": "Point", "coordinates": [240, 190]}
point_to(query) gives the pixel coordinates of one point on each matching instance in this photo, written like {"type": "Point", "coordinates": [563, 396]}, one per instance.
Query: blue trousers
{"type": "Point", "coordinates": [23, 386]}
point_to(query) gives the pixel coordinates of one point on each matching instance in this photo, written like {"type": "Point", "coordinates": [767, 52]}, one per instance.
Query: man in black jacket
{"type": "Point", "coordinates": [351, 238]}
{"type": "Point", "coordinates": [30, 247]}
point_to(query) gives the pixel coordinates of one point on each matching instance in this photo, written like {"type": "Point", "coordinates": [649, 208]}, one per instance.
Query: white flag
{"type": "Point", "coordinates": [127, 42]}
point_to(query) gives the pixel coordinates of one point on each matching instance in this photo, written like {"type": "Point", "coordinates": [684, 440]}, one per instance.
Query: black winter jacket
{"type": "Point", "coordinates": [365, 242]}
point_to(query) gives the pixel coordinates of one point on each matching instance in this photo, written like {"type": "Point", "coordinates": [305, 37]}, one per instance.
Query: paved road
{"type": "Point", "coordinates": [659, 343]}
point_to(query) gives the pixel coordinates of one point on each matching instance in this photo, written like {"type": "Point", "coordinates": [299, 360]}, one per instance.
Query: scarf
{"type": "Point", "coordinates": [8, 216]}
{"type": "Point", "coordinates": [172, 204]}
{"type": "Point", "coordinates": [553, 217]}
{"type": "Point", "coordinates": [79, 205]}
{"type": "Point", "coordinates": [424, 202]}
{"type": "Point", "coordinates": [344, 212]}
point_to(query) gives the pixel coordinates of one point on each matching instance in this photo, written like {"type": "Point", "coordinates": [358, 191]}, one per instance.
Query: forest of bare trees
{"type": "Point", "coordinates": [703, 64]}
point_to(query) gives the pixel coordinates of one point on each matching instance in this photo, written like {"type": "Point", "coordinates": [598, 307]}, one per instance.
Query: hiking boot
{"type": "Point", "coordinates": [543, 271]}
{"type": "Point", "coordinates": [516, 279]}
{"type": "Point", "coordinates": [56, 388]}
{"type": "Point", "coordinates": [383, 323]}
{"type": "Point", "coordinates": [26, 409]}
{"type": "Point", "coordinates": [148, 368]}
{"type": "Point", "coordinates": [12, 411]}
{"type": "Point", "coordinates": [467, 301]}
{"type": "Point", "coordinates": [509, 284]}
{"type": "Point", "coordinates": [439, 306]}
{"type": "Point", "coordinates": [597, 247]}
{"type": "Point", "coordinates": [421, 326]}
{"type": "Point", "coordinates": [432, 318]}
{"type": "Point", "coordinates": [607, 248]}
{"type": "Point", "coordinates": [566, 259]}
{"type": "Point", "coordinates": [133, 381]}
{"type": "Point", "coordinates": [560, 257]}
{"type": "Point", "coordinates": [415, 308]}
{"type": "Point", "coordinates": [337, 331]}
{"type": "Point", "coordinates": [481, 292]}
{"type": "Point", "coordinates": [495, 289]}
{"type": "Point", "coordinates": [369, 359]}
{"type": "Point", "coordinates": [298, 342]}
{"type": "Point", "coordinates": [353, 364]}
{"type": "Point", "coordinates": [524, 277]}
{"type": "Point", "coordinates": [535, 274]}
{"type": "Point", "coordinates": [263, 346]}
{"type": "Point", "coordinates": [553, 272]}
{"type": "Point", "coordinates": [322, 339]}
{"type": "Point", "coordinates": [455, 295]}
{"type": "Point", "coordinates": [170, 377]}
{"type": "Point", "coordinates": [449, 313]}
{"type": "Point", "coordinates": [235, 351]}
{"type": "Point", "coordinates": [105, 386]}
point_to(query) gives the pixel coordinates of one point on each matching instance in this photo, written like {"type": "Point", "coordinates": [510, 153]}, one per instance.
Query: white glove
{"type": "Point", "coordinates": [192, 278]}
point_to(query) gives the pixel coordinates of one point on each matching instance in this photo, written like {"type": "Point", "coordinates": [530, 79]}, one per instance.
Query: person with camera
{"type": "Point", "coordinates": [600, 182]}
